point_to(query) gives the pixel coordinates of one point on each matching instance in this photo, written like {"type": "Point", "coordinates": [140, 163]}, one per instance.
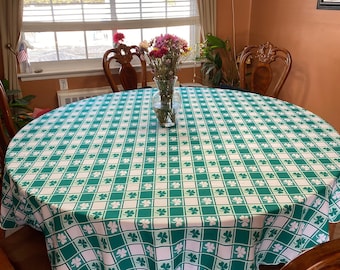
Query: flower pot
{"type": "Point", "coordinates": [166, 102]}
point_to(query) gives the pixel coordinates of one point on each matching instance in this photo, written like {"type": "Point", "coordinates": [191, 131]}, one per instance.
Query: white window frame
{"type": "Point", "coordinates": [69, 68]}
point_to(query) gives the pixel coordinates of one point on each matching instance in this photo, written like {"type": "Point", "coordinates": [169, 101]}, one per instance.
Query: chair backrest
{"type": "Point", "coordinates": [321, 257]}
{"type": "Point", "coordinates": [264, 68]}
{"type": "Point", "coordinates": [128, 76]}
{"type": "Point", "coordinates": [7, 127]}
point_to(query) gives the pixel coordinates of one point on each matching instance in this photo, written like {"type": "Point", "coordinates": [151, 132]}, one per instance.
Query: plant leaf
{"type": "Point", "coordinates": [215, 42]}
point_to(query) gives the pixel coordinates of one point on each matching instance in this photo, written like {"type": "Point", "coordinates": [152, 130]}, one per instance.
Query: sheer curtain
{"type": "Point", "coordinates": [207, 13]}
{"type": "Point", "coordinates": [10, 27]}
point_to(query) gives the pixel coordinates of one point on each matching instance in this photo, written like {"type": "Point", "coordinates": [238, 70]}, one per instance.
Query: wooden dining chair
{"type": "Point", "coordinates": [127, 74]}
{"type": "Point", "coordinates": [25, 248]}
{"type": "Point", "coordinates": [264, 68]}
{"type": "Point", "coordinates": [8, 130]}
{"type": "Point", "coordinates": [325, 256]}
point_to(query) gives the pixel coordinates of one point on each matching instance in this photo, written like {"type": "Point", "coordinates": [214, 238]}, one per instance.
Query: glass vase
{"type": "Point", "coordinates": [166, 102]}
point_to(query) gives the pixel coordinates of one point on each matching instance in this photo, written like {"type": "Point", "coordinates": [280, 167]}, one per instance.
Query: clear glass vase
{"type": "Point", "coordinates": [166, 102]}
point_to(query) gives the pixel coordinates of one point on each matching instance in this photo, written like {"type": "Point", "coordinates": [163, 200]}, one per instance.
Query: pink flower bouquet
{"type": "Point", "coordinates": [165, 53]}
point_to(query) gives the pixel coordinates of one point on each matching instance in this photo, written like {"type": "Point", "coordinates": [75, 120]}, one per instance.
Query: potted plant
{"type": "Point", "coordinates": [21, 112]}
{"type": "Point", "coordinates": [218, 64]}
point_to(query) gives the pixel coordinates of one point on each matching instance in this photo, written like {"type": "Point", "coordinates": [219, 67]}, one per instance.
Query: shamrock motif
{"type": "Point", "coordinates": [161, 211]}
{"type": "Point", "coordinates": [193, 257]}
{"type": "Point", "coordinates": [225, 209]}
{"type": "Point", "coordinates": [141, 261]}
{"type": "Point", "coordinates": [129, 213]}
{"type": "Point", "coordinates": [133, 237]}
{"type": "Point", "coordinates": [162, 237]}
{"type": "Point", "coordinates": [68, 218]}
{"type": "Point", "coordinates": [223, 266]}
{"type": "Point", "coordinates": [165, 266]}
{"type": "Point", "coordinates": [227, 235]}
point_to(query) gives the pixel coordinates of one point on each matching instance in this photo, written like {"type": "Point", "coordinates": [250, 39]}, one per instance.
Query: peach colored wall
{"type": "Point", "coordinates": [313, 38]}
{"type": "Point", "coordinates": [224, 24]}
{"type": "Point", "coordinates": [45, 91]}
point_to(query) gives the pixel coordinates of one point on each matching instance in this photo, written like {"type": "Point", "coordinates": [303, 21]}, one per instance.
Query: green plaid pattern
{"type": "Point", "coordinates": [242, 180]}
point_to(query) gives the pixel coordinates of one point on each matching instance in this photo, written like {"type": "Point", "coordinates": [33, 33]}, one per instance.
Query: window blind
{"type": "Point", "coordinates": [62, 15]}
{"type": "Point", "coordinates": [60, 30]}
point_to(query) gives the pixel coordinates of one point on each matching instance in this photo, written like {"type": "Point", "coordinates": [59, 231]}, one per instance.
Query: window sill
{"type": "Point", "coordinates": [69, 69]}
{"type": "Point", "coordinates": [63, 69]}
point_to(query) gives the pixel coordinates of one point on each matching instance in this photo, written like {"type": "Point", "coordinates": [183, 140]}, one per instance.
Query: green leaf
{"type": "Point", "coordinates": [218, 61]}
{"type": "Point", "coordinates": [215, 42]}
{"type": "Point", "coordinates": [217, 78]}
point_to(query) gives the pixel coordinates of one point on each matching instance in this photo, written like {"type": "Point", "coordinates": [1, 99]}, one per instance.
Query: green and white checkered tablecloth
{"type": "Point", "coordinates": [242, 180]}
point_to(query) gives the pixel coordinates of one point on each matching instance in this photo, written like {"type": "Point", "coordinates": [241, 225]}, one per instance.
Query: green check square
{"type": "Point", "coordinates": [242, 236]}
{"type": "Point", "coordinates": [146, 194]}
{"type": "Point", "coordinates": [175, 193]}
{"type": "Point", "coordinates": [126, 264]}
{"type": "Point", "coordinates": [175, 177]}
{"type": "Point", "coordinates": [116, 196]}
{"type": "Point", "coordinates": [210, 234]}
{"type": "Point", "coordinates": [120, 180]}
{"type": "Point", "coordinates": [208, 210]}
{"type": "Point", "coordinates": [234, 191]}
{"type": "Point", "coordinates": [254, 175]}
{"type": "Point", "coordinates": [87, 197]}
{"type": "Point", "coordinates": [144, 212]}
{"type": "Point", "coordinates": [177, 235]}
{"type": "Point", "coordinates": [241, 210]}
{"type": "Point", "coordinates": [68, 249]}
{"type": "Point", "coordinates": [176, 211]}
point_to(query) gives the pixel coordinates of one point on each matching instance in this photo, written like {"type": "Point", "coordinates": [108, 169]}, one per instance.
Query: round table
{"type": "Point", "coordinates": [241, 180]}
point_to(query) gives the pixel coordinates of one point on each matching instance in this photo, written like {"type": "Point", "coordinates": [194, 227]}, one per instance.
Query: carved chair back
{"type": "Point", "coordinates": [127, 74]}
{"type": "Point", "coordinates": [264, 68]}
{"type": "Point", "coordinates": [7, 127]}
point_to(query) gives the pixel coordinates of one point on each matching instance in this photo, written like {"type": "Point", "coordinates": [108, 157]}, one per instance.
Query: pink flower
{"type": "Point", "coordinates": [118, 37]}
{"type": "Point", "coordinates": [165, 53]}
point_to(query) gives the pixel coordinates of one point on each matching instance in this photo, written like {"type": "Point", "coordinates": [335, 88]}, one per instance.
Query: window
{"type": "Point", "coordinates": [81, 30]}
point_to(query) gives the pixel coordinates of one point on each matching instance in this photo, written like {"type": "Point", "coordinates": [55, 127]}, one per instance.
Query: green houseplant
{"type": "Point", "coordinates": [21, 112]}
{"type": "Point", "coordinates": [218, 64]}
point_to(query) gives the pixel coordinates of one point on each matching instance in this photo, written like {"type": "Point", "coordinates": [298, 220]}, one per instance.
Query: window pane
{"type": "Point", "coordinates": [82, 29]}
{"type": "Point", "coordinates": [132, 36]}
{"type": "Point", "coordinates": [41, 46]}
{"type": "Point", "coordinates": [150, 33]}
{"type": "Point", "coordinates": [98, 42]}
{"type": "Point", "coordinates": [181, 31]}
{"type": "Point", "coordinates": [71, 45]}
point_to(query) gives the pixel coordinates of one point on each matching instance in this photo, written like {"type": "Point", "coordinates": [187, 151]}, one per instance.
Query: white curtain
{"type": "Point", "coordinates": [207, 13]}
{"type": "Point", "coordinates": [10, 27]}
